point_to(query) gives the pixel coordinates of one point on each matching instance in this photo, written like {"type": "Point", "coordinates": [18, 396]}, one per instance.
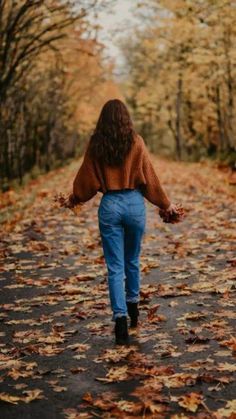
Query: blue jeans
{"type": "Point", "coordinates": [122, 220]}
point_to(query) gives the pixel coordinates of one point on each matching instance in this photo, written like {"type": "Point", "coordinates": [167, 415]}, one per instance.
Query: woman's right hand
{"type": "Point", "coordinates": [172, 209]}
{"type": "Point", "coordinates": [173, 214]}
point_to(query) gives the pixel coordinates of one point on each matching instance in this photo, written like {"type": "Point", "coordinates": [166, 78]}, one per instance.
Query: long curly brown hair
{"type": "Point", "coordinates": [114, 133]}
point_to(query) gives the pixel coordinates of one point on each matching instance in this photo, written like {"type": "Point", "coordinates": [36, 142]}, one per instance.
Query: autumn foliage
{"type": "Point", "coordinates": [52, 83]}
{"type": "Point", "coordinates": [57, 353]}
{"type": "Point", "coordinates": [181, 77]}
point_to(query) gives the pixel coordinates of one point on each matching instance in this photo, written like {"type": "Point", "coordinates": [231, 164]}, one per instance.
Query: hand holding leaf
{"type": "Point", "coordinates": [68, 201]}
{"type": "Point", "coordinates": [174, 214]}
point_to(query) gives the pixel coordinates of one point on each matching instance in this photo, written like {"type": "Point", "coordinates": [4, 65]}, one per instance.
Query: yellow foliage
{"type": "Point", "coordinates": [182, 71]}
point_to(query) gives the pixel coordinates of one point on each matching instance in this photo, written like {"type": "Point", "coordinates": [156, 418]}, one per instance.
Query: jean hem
{"type": "Point", "coordinates": [117, 315]}
{"type": "Point", "coordinates": [132, 300]}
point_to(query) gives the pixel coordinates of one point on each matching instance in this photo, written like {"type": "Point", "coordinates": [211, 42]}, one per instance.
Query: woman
{"type": "Point", "coordinates": [117, 163]}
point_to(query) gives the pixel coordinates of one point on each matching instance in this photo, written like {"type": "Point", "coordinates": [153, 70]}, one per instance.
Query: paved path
{"type": "Point", "coordinates": [57, 352]}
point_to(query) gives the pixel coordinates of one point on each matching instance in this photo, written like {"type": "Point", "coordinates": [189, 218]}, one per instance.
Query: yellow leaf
{"type": "Point", "coordinates": [226, 366]}
{"type": "Point", "coordinates": [9, 398]}
{"type": "Point", "coordinates": [115, 374]}
{"type": "Point", "coordinates": [228, 411]}
{"type": "Point", "coordinates": [191, 401]}
{"type": "Point", "coordinates": [31, 395]}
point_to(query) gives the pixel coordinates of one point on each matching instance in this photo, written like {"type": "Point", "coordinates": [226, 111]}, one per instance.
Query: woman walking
{"type": "Point", "coordinates": [117, 163]}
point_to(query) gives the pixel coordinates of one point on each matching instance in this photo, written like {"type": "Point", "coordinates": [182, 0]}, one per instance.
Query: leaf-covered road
{"type": "Point", "coordinates": [57, 352]}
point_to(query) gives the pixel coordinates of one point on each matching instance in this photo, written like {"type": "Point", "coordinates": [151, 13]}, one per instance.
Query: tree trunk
{"type": "Point", "coordinates": [230, 104]}
{"type": "Point", "coordinates": [178, 138]}
{"type": "Point", "coordinates": [219, 119]}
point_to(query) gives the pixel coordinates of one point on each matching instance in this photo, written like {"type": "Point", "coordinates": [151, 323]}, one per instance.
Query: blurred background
{"type": "Point", "coordinates": [173, 62]}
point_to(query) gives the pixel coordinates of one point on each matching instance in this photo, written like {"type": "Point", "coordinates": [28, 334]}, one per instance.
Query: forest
{"type": "Point", "coordinates": [52, 83]}
{"type": "Point", "coordinates": [181, 64]}
{"type": "Point", "coordinates": [65, 260]}
{"type": "Point", "coordinates": [178, 80]}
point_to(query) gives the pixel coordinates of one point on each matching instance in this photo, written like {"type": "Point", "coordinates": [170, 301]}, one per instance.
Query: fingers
{"type": "Point", "coordinates": [172, 209]}
{"type": "Point", "coordinates": [174, 214]}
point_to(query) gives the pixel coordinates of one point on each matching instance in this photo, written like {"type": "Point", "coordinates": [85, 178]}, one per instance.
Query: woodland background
{"type": "Point", "coordinates": [178, 78]}
{"type": "Point", "coordinates": [175, 68]}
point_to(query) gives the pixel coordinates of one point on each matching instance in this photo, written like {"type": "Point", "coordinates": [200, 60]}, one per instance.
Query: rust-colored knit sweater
{"type": "Point", "coordinates": [136, 172]}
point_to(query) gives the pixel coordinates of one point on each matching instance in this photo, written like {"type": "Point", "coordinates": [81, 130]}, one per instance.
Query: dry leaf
{"type": "Point", "coordinates": [190, 401]}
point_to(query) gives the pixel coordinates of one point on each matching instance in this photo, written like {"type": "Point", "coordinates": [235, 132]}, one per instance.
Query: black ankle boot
{"type": "Point", "coordinates": [121, 331]}
{"type": "Point", "coordinates": [133, 313]}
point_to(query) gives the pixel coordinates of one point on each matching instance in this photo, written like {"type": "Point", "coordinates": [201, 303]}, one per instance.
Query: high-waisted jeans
{"type": "Point", "coordinates": [122, 220]}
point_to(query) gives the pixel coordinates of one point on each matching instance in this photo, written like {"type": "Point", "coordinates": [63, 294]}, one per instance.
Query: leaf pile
{"type": "Point", "coordinates": [57, 349]}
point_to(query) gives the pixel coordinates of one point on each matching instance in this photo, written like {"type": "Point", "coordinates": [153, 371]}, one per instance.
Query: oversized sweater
{"type": "Point", "coordinates": [137, 172]}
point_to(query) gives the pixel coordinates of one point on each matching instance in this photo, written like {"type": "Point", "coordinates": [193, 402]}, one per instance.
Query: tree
{"type": "Point", "coordinates": [181, 64]}
{"type": "Point", "coordinates": [51, 64]}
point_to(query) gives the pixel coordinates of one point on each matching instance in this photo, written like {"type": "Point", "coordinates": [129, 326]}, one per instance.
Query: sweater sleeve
{"type": "Point", "coordinates": [86, 183]}
{"type": "Point", "coordinates": [152, 189]}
